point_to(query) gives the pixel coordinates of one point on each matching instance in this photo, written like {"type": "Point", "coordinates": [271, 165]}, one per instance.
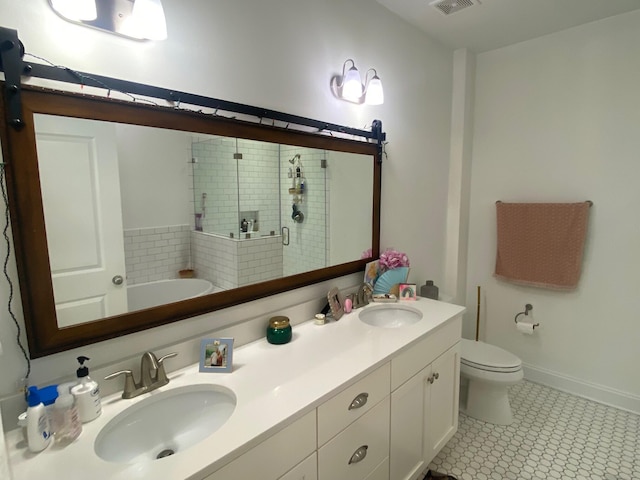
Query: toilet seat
{"type": "Point", "coordinates": [490, 358]}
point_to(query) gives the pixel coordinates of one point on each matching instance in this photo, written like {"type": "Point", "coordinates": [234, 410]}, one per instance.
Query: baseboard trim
{"type": "Point", "coordinates": [575, 386]}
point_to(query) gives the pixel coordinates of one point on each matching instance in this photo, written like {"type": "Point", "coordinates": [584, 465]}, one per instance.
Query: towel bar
{"type": "Point", "coordinates": [586, 201]}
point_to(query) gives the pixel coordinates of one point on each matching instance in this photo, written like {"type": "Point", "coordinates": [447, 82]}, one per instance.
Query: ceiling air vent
{"type": "Point", "coordinates": [448, 7]}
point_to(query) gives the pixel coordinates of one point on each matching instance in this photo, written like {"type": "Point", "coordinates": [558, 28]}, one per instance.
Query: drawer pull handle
{"type": "Point", "coordinates": [359, 454]}
{"type": "Point", "coordinates": [436, 375]}
{"type": "Point", "coordinates": [430, 379]}
{"type": "Point", "coordinates": [359, 401]}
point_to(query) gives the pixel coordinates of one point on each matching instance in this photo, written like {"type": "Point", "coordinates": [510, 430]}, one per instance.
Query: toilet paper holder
{"type": "Point", "coordinates": [527, 308]}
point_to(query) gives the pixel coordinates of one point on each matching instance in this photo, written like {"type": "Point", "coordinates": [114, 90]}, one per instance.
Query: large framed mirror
{"type": "Point", "coordinates": [127, 216]}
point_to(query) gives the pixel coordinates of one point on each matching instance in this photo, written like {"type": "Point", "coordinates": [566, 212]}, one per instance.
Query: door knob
{"type": "Point", "coordinates": [117, 280]}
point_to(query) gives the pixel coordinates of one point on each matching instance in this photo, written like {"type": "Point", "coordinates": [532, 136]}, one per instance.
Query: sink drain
{"type": "Point", "coordinates": [165, 453]}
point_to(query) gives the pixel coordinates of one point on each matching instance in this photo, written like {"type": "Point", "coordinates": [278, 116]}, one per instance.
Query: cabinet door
{"type": "Point", "coordinates": [443, 405]}
{"type": "Point", "coordinates": [276, 455]}
{"type": "Point", "coordinates": [305, 470]}
{"type": "Point", "coordinates": [409, 419]}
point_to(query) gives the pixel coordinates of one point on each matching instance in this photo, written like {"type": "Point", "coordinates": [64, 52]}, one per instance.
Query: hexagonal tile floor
{"type": "Point", "coordinates": [554, 435]}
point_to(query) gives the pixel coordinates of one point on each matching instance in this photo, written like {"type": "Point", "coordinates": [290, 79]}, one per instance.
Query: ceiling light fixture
{"type": "Point", "coordinates": [349, 86]}
{"type": "Point", "coordinates": [139, 19]}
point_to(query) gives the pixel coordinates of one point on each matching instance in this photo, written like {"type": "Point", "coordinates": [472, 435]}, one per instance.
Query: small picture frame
{"type": "Point", "coordinates": [216, 355]}
{"type": "Point", "coordinates": [408, 291]}
{"type": "Point", "coordinates": [336, 303]}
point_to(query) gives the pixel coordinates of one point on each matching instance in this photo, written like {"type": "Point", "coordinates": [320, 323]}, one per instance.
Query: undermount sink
{"type": "Point", "coordinates": [165, 423]}
{"type": "Point", "coordinates": [390, 315]}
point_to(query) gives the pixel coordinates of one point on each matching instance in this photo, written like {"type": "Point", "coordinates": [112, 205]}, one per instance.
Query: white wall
{"type": "Point", "coordinates": [557, 119]}
{"type": "Point", "coordinates": [158, 157]}
{"type": "Point", "coordinates": [279, 54]}
{"type": "Point", "coordinates": [350, 177]}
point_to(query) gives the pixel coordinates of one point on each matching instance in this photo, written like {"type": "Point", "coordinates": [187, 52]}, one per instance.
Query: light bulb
{"type": "Point", "coordinates": [147, 19]}
{"type": "Point", "coordinates": [374, 94]}
{"type": "Point", "coordinates": [352, 85]}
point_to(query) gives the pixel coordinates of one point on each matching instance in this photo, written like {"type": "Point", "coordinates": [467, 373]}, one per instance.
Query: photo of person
{"type": "Point", "coordinates": [216, 355]}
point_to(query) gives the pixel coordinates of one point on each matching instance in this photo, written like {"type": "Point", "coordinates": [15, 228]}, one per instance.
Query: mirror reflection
{"type": "Point", "coordinates": [140, 216]}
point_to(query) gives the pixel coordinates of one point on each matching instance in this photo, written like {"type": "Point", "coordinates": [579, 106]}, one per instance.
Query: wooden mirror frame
{"type": "Point", "coordinates": [27, 215]}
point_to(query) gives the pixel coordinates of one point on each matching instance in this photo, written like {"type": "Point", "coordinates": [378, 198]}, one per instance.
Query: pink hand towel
{"type": "Point", "coordinates": [541, 244]}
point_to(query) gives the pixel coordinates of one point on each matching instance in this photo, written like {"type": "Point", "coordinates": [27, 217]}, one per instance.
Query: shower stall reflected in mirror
{"type": "Point", "coordinates": [245, 194]}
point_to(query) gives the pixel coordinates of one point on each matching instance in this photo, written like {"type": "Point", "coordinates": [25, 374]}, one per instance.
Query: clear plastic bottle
{"type": "Point", "coordinates": [66, 424]}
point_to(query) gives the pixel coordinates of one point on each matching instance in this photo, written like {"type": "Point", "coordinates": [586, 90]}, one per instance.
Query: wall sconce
{"type": "Point", "coordinates": [349, 86]}
{"type": "Point", "coordinates": [139, 19]}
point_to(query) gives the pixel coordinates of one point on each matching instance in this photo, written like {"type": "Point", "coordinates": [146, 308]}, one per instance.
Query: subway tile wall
{"type": "Point", "coordinates": [230, 262]}
{"type": "Point", "coordinates": [157, 253]}
{"type": "Point", "coordinates": [225, 186]}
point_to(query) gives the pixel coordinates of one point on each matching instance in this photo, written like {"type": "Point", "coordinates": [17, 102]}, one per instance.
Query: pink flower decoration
{"type": "Point", "coordinates": [368, 253]}
{"type": "Point", "coordinates": [390, 259]}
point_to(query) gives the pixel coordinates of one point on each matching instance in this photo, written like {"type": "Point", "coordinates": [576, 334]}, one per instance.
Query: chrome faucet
{"type": "Point", "coordinates": [152, 375]}
{"type": "Point", "coordinates": [363, 297]}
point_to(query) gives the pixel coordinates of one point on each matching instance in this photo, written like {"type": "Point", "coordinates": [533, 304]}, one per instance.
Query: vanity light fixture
{"type": "Point", "coordinates": [349, 86]}
{"type": "Point", "coordinates": [139, 19]}
{"type": "Point", "coordinates": [76, 10]}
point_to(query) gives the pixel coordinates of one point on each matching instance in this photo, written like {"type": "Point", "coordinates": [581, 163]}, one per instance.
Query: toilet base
{"type": "Point", "coordinates": [488, 402]}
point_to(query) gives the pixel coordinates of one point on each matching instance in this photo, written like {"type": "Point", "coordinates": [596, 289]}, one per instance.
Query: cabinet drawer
{"type": "Point", "coordinates": [276, 455]}
{"type": "Point", "coordinates": [418, 356]}
{"type": "Point", "coordinates": [371, 432]}
{"type": "Point", "coordinates": [337, 413]}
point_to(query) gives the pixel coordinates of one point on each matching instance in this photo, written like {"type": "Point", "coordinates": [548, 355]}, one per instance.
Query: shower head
{"type": "Point", "coordinates": [293, 160]}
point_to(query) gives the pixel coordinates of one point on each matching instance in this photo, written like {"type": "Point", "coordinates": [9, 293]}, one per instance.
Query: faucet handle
{"type": "Point", "coordinates": [161, 377]}
{"type": "Point", "coordinates": [130, 386]}
{"type": "Point", "coordinates": [164, 357]}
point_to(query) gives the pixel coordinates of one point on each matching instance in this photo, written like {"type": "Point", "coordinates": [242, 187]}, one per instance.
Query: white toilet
{"type": "Point", "coordinates": [486, 371]}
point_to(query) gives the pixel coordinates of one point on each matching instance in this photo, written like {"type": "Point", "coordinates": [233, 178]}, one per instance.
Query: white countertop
{"type": "Point", "coordinates": [274, 385]}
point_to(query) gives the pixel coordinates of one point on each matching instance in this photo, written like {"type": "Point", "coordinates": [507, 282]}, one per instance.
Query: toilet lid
{"type": "Point", "coordinates": [488, 357]}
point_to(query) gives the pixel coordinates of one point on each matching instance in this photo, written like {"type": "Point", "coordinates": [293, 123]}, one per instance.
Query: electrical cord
{"type": "Point", "coordinates": [6, 273]}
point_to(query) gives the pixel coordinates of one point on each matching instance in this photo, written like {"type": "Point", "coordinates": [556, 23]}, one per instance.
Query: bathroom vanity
{"type": "Point", "coordinates": [345, 400]}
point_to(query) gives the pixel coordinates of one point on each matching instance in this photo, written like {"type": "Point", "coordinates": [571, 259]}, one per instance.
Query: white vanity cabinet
{"type": "Point", "coordinates": [277, 455]}
{"type": "Point", "coordinates": [424, 400]}
{"type": "Point", "coordinates": [305, 470]}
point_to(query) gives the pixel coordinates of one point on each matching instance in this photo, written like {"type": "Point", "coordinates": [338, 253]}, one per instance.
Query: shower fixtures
{"type": "Point", "coordinates": [292, 161]}
{"type": "Point", "coordinates": [203, 204]}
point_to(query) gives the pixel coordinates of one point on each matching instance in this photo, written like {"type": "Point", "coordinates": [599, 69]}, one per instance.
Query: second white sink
{"type": "Point", "coordinates": [392, 315]}
{"type": "Point", "coordinates": [165, 423]}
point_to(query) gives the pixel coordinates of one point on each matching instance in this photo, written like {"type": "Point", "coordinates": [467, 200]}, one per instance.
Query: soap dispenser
{"type": "Point", "coordinates": [87, 394]}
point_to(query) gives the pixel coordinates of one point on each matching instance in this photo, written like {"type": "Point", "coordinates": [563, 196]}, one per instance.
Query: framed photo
{"type": "Point", "coordinates": [408, 291]}
{"type": "Point", "coordinates": [216, 355]}
{"type": "Point", "coordinates": [336, 303]}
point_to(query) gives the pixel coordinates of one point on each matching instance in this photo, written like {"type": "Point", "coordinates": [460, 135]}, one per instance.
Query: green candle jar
{"type": "Point", "coordinates": [279, 330]}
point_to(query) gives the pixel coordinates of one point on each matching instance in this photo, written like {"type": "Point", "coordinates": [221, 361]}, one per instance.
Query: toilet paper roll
{"type": "Point", "coordinates": [524, 327]}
